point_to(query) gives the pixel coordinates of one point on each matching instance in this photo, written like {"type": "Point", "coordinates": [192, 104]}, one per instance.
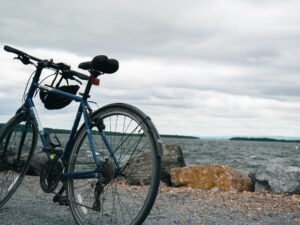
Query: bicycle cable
{"type": "Point", "coordinates": [93, 102]}
{"type": "Point", "coordinates": [48, 77]}
{"type": "Point", "coordinates": [24, 95]}
{"type": "Point", "coordinates": [53, 74]}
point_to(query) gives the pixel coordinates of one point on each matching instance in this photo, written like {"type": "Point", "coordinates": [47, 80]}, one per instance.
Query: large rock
{"type": "Point", "coordinates": [37, 161]}
{"type": "Point", "coordinates": [172, 158]}
{"type": "Point", "coordinates": [139, 170]}
{"type": "Point", "coordinates": [278, 178]}
{"type": "Point", "coordinates": [210, 176]}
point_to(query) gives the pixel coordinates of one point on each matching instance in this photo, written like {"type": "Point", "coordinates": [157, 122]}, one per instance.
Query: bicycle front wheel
{"type": "Point", "coordinates": [127, 181]}
{"type": "Point", "coordinates": [18, 140]}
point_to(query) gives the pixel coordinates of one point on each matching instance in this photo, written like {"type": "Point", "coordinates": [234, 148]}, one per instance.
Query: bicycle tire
{"type": "Point", "coordinates": [119, 195]}
{"type": "Point", "coordinates": [18, 139]}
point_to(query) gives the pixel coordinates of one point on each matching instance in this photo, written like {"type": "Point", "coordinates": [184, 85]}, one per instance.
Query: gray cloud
{"type": "Point", "coordinates": [213, 66]}
{"type": "Point", "coordinates": [225, 31]}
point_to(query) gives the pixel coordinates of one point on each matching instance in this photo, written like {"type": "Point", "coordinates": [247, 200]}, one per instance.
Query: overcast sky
{"type": "Point", "coordinates": [204, 68]}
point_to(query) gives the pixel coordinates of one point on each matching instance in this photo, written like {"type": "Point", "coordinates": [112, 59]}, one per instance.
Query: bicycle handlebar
{"type": "Point", "coordinates": [13, 50]}
{"type": "Point", "coordinates": [57, 66]}
{"type": "Point", "coordinates": [18, 52]}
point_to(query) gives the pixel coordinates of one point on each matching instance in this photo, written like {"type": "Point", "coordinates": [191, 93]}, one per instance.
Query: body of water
{"type": "Point", "coordinates": [245, 156]}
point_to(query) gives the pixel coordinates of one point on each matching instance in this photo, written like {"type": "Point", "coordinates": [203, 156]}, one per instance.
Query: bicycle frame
{"type": "Point", "coordinates": [83, 110]}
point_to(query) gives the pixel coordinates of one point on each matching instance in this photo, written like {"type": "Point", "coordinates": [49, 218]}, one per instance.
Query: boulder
{"type": "Point", "coordinates": [8, 159]}
{"type": "Point", "coordinates": [172, 158]}
{"type": "Point", "coordinates": [210, 176]}
{"type": "Point", "coordinates": [138, 171]}
{"type": "Point", "coordinates": [279, 178]}
{"type": "Point", "coordinates": [259, 185]}
{"type": "Point", "coordinates": [37, 161]}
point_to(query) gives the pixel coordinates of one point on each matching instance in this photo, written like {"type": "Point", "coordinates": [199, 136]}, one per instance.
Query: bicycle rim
{"type": "Point", "coordinates": [122, 199]}
{"type": "Point", "coordinates": [17, 143]}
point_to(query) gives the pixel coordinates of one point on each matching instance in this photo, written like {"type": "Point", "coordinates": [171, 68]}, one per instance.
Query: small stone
{"type": "Point", "coordinates": [296, 198]}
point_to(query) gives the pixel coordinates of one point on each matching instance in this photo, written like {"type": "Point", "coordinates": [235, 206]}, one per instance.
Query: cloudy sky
{"type": "Point", "coordinates": [204, 68]}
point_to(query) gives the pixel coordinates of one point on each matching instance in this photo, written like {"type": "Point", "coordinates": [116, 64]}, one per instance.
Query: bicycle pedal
{"type": "Point", "coordinates": [61, 200]}
{"type": "Point", "coordinates": [97, 208]}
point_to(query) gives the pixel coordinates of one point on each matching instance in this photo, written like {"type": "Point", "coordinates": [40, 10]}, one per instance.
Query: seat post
{"type": "Point", "coordinates": [88, 87]}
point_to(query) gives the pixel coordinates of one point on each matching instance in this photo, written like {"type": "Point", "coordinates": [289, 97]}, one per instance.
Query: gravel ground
{"type": "Point", "coordinates": [30, 205]}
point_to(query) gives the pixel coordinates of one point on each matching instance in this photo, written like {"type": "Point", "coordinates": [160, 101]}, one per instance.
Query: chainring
{"type": "Point", "coordinates": [50, 175]}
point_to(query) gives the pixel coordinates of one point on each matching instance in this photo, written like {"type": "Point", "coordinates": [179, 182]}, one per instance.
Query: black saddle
{"type": "Point", "coordinates": [101, 63]}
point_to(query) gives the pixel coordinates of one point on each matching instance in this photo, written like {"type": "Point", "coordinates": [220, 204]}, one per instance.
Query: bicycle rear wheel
{"type": "Point", "coordinates": [114, 197]}
{"type": "Point", "coordinates": [18, 140]}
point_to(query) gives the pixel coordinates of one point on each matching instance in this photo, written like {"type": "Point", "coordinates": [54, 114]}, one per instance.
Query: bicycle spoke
{"type": "Point", "coordinates": [17, 143]}
{"type": "Point", "coordinates": [110, 198]}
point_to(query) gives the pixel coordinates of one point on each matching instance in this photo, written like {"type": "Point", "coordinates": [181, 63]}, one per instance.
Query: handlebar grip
{"type": "Point", "coordinates": [50, 64]}
{"type": "Point", "coordinates": [13, 50]}
{"type": "Point", "coordinates": [79, 75]}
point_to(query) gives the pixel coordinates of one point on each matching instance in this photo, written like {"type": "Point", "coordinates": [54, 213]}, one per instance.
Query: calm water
{"type": "Point", "coordinates": [245, 156]}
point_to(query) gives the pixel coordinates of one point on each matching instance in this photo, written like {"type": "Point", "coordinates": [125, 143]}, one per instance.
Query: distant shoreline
{"type": "Point", "coordinates": [257, 139]}
{"type": "Point", "coordinates": [64, 131]}
{"type": "Point", "coordinates": [263, 140]}
{"type": "Point", "coordinates": [178, 136]}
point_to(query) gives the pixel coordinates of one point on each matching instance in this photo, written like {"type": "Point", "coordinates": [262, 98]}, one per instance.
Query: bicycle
{"type": "Point", "coordinates": [104, 188]}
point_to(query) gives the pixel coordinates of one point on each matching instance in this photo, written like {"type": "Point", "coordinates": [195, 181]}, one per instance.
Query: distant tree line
{"type": "Point", "coordinates": [262, 139]}
{"type": "Point", "coordinates": [64, 131]}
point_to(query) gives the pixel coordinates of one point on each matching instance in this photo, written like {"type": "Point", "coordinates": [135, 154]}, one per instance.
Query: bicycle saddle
{"type": "Point", "coordinates": [101, 63]}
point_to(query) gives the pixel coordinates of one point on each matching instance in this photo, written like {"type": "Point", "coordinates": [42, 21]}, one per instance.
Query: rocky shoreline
{"type": "Point", "coordinates": [226, 198]}
{"type": "Point", "coordinates": [274, 177]}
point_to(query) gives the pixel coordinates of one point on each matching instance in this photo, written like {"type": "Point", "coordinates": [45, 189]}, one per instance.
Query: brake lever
{"type": "Point", "coordinates": [23, 59]}
{"type": "Point", "coordinates": [69, 77]}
